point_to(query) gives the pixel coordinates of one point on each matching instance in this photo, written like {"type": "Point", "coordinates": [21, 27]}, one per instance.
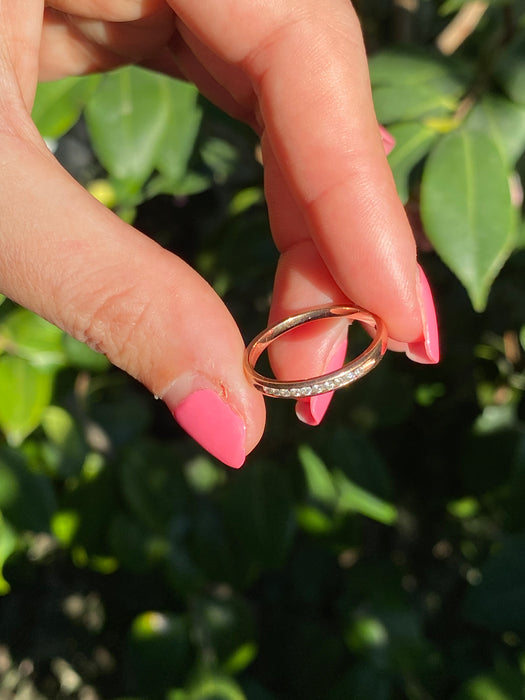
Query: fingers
{"type": "Point", "coordinates": [75, 263]}
{"type": "Point", "coordinates": [114, 11]}
{"type": "Point", "coordinates": [308, 67]}
{"type": "Point", "coordinates": [76, 45]}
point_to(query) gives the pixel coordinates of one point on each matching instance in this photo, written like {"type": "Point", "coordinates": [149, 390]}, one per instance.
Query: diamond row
{"type": "Point", "coordinates": [314, 389]}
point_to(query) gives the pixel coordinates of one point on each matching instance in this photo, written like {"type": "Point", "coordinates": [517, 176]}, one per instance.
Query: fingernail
{"type": "Point", "coordinates": [312, 411]}
{"type": "Point", "coordinates": [211, 423]}
{"type": "Point", "coordinates": [426, 348]}
{"type": "Point", "coordinates": [388, 140]}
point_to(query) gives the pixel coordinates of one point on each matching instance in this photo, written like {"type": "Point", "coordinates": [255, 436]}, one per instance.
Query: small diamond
{"type": "Point", "coordinates": [328, 386]}
{"type": "Point", "coordinates": [317, 389]}
{"type": "Point", "coordinates": [284, 392]}
{"type": "Point", "coordinates": [306, 391]}
{"type": "Point", "coordinates": [295, 392]}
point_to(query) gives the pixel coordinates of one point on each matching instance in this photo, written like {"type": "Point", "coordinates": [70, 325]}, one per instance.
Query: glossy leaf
{"type": "Point", "coordinates": [127, 119]}
{"type": "Point", "coordinates": [504, 122]}
{"type": "Point", "coordinates": [141, 122]}
{"type": "Point", "coordinates": [354, 499]}
{"type": "Point", "coordinates": [26, 392]}
{"type": "Point", "coordinates": [59, 104]}
{"type": "Point", "coordinates": [338, 490]}
{"type": "Point", "coordinates": [319, 480]}
{"type": "Point", "coordinates": [466, 209]}
{"type": "Point", "coordinates": [179, 137]}
{"type": "Point", "coordinates": [413, 141]}
{"type": "Point", "coordinates": [29, 336]}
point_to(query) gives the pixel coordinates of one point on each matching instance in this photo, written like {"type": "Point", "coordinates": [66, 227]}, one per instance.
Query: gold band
{"type": "Point", "coordinates": [349, 373]}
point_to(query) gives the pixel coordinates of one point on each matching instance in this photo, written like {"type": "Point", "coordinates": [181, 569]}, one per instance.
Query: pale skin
{"type": "Point", "coordinates": [296, 71]}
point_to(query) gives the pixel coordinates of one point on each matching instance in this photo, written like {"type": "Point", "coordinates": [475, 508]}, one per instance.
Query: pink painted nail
{"type": "Point", "coordinates": [213, 424]}
{"type": "Point", "coordinates": [388, 140]}
{"type": "Point", "coordinates": [312, 411]}
{"type": "Point", "coordinates": [426, 348]}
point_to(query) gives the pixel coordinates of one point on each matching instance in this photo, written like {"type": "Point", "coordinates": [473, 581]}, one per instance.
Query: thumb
{"type": "Point", "coordinates": [69, 259]}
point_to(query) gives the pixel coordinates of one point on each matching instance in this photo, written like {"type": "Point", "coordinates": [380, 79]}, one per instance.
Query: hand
{"type": "Point", "coordinates": [297, 72]}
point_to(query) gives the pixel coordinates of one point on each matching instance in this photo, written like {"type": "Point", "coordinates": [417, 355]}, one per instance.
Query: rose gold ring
{"type": "Point", "coordinates": [313, 386]}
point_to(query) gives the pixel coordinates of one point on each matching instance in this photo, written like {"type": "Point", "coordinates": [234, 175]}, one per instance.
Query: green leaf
{"type": "Point", "coordinates": [179, 137]}
{"type": "Point", "coordinates": [506, 684]}
{"type": "Point", "coordinates": [66, 448]}
{"type": "Point", "coordinates": [127, 119]}
{"type": "Point", "coordinates": [26, 392]}
{"type": "Point", "coordinates": [27, 500]}
{"type": "Point", "coordinates": [58, 104]}
{"type": "Point", "coordinates": [413, 141]}
{"type": "Point", "coordinates": [467, 211]}
{"type": "Point", "coordinates": [27, 335]}
{"type": "Point", "coordinates": [319, 479]}
{"type": "Point", "coordinates": [504, 121]}
{"type": "Point", "coordinates": [83, 357]}
{"type": "Point", "coordinates": [223, 624]}
{"type": "Point", "coordinates": [411, 66]}
{"type": "Point", "coordinates": [215, 687]}
{"type": "Point", "coordinates": [407, 102]}
{"type": "Point", "coordinates": [409, 85]}
{"type": "Point", "coordinates": [159, 652]}
{"type": "Point", "coordinates": [354, 499]}
{"type": "Point", "coordinates": [336, 489]}
{"type": "Point", "coordinates": [8, 542]}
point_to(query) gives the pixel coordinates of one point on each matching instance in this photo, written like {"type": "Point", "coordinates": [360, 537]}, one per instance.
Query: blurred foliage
{"type": "Point", "coordinates": [380, 555]}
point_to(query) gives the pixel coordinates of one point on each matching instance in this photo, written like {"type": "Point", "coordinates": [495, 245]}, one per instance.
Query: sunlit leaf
{"type": "Point", "coordinates": [29, 336]}
{"type": "Point", "coordinates": [319, 480]}
{"type": "Point", "coordinates": [127, 119]}
{"type": "Point", "coordinates": [58, 104]}
{"type": "Point", "coordinates": [179, 136]}
{"type": "Point", "coordinates": [467, 211]}
{"type": "Point", "coordinates": [354, 499]}
{"type": "Point", "coordinates": [26, 392]}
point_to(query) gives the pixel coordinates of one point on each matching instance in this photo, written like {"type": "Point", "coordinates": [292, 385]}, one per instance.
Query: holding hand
{"type": "Point", "coordinates": [297, 73]}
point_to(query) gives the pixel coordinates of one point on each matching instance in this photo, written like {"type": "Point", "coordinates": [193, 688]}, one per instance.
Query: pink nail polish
{"type": "Point", "coordinates": [213, 424]}
{"type": "Point", "coordinates": [425, 349]}
{"type": "Point", "coordinates": [388, 140]}
{"type": "Point", "coordinates": [312, 411]}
